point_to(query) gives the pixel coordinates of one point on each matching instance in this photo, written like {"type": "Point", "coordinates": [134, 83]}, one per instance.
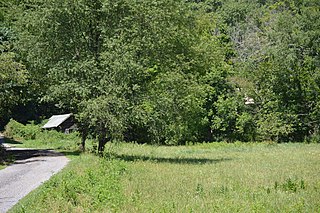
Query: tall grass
{"type": "Point", "coordinates": [217, 177]}
{"type": "Point", "coordinates": [222, 178]}
{"type": "Point", "coordinates": [87, 184]}
{"type": "Point", "coordinates": [32, 136]}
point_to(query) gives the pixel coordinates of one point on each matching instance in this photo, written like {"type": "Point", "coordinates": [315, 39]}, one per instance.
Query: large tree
{"type": "Point", "coordinates": [139, 70]}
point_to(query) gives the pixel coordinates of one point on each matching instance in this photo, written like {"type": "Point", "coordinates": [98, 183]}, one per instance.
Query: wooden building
{"type": "Point", "coordinates": [62, 123]}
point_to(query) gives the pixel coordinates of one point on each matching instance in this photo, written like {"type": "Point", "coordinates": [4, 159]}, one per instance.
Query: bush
{"type": "Point", "coordinates": [17, 130]}
{"type": "Point", "coordinates": [34, 137]}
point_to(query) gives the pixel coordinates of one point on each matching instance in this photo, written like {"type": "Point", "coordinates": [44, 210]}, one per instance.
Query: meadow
{"type": "Point", "coordinates": [215, 177]}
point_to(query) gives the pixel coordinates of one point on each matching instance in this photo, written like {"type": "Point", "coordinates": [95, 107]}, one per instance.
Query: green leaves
{"type": "Point", "coordinates": [13, 76]}
{"type": "Point", "coordinates": [105, 112]}
{"type": "Point", "coordinates": [170, 71]}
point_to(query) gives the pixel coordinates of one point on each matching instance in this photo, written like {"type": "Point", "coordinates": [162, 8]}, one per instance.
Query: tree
{"type": "Point", "coordinates": [277, 55]}
{"type": "Point", "coordinates": [127, 69]}
{"type": "Point", "coordinates": [13, 76]}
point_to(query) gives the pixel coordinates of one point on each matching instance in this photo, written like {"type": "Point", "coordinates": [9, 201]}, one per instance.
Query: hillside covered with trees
{"type": "Point", "coordinates": [165, 71]}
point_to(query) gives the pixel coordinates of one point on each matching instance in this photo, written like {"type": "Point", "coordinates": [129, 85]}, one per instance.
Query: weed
{"type": "Point", "coordinates": [199, 190]}
{"type": "Point", "coordinates": [290, 185]}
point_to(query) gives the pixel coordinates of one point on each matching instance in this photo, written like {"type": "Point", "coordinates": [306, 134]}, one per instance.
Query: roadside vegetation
{"type": "Point", "coordinates": [88, 183]}
{"type": "Point", "coordinates": [200, 177]}
{"type": "Point", "coordinates": [217, 177]}
{"type": "Point", "coordinates": [32, 136]}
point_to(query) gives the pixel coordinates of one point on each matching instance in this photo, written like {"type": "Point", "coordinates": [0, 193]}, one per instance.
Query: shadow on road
{"type": "Point", "coordinates": [28, 161]}
{"type": "Point", "coordinates": [23, 154]}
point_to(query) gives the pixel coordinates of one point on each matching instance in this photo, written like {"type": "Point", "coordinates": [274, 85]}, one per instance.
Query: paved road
{"type": "Point", "coordinates": [31, 168]}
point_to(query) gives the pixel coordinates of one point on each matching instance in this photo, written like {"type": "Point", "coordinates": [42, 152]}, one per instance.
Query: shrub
{"type": "Point", "coordinates": [33, 136]}
{"type": "Point", "coordinates": [17, 130]}
{"type": "Point", "coordinates": [13, 129]}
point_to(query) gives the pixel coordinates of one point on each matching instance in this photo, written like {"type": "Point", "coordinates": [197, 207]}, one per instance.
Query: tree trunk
{"type": "Point", "coordinates": [83, 139]}
{"type": "Point", "coordinates": [102, 140]}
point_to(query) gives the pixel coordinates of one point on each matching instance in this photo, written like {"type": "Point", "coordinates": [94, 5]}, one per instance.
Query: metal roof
{"type": "Point", "coordinates": [56, 120]}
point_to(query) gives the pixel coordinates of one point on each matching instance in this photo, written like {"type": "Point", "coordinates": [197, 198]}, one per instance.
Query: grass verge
{"type": "Point", "coordinates": [87, 183]}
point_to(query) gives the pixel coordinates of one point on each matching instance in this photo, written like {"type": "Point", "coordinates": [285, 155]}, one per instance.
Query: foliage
{"type": "Point", "coordinates": [276, 65]}
{"type": "Point", "coordinates": [32, 136]}
{"type": "Point", "coordinates": [17, 130]}
{"type": "Point", "coordinates": [13, 75]}
{"type": "Point", "coordinates": [121, 59]}
{"type": "Point", "coordinates": [165, 72]}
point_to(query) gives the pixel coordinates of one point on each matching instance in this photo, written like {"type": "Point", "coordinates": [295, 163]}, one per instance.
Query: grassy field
{"type": "Point", "coordinates": [217, 177]}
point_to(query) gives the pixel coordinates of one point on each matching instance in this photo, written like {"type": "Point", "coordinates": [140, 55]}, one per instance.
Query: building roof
{"type": "Point", "coordinates": [56, 120]}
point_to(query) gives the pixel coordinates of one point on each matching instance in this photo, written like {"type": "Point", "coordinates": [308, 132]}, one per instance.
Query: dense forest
{"type": "Point", "coordinates": [165, 71]}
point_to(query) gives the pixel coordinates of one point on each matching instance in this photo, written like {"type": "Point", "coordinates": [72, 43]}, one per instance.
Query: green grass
{"type": "Point", "coordinates": [88, 182]}
{"type": "Point", "coordinates": [217, 177]}
{"type": "Point", "coordinates": [33, 136]}
{"type": "Point", "coordinates": [48, 140]}
{"type": "Point", "coordinates": [52, 140]}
